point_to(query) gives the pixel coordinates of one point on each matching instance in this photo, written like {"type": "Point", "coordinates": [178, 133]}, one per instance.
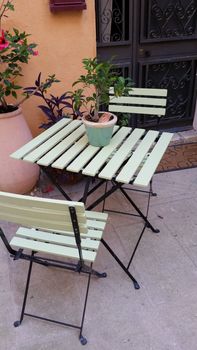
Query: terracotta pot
{"type": "Point", "coordinates": [16, 176]}
{"type": "Point", "coordinates": [99, 134]}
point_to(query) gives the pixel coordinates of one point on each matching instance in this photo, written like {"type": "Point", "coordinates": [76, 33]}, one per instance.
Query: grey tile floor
{"type": "Point", "coordinates": [161, 315]}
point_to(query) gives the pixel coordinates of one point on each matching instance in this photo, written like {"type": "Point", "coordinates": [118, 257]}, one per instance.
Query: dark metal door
{"type": "Point", "coordinates": [155, 43]}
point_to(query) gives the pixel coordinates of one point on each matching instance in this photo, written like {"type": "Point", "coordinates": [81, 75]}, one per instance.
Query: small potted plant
{"type": "Point", "coordinates": [94, 90]}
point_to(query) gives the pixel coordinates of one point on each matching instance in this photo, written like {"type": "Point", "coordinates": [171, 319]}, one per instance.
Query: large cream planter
{"type": "Point", "coordinates": [16, 176]}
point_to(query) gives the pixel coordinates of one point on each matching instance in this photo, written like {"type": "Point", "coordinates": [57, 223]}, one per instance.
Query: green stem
{"type": "Point", "coordinates": [95, 118]}
{"type": "Point", "coordinates": [26, 97]}
{"type": "Point", "coordinates": [4, 9]}
{"type": "Point", "coordinates": [3, 102]}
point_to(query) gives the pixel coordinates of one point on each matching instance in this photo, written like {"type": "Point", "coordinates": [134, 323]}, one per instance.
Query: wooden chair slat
{"type": "Point", "coordinates": [96, 224]}
{"type": "Point", "coordinates": [138, 100]}
{"type": "Point", "coordinates": [94, 215]}
{"type": "Point", "coordinates": [42, 213]}
{"type": "Point", "coordinates": [37, 214]}
{"type": "Point", "coordinates": [137, 110]}
{"type": "Point", "coordinates": [68, 252]}
{"type": "Point", "coordinates": [91, 233]}
{"type": "Point", "coordinates": [144, 92]}
{"type": "Point", "coordinates": [69, 241]}
{"type": "Point", "coordinates": [41, 203]}
{"type": "Point", "coordinates": [23, 210]}
{"type": "Point", "coordinates": [49, 225]}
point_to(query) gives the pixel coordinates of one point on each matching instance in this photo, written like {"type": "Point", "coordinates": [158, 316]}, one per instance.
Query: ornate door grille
{"type": "Point", "coordinates": [155, 43]}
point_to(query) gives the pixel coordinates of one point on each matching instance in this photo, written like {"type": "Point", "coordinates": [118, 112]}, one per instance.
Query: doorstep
{"type": "Point", "coordinates": [184, 136]}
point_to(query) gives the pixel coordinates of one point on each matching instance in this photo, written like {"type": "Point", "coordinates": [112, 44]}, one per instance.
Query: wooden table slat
{"type": "Point", "coordinates": [65, 145]}
{"type": "Point", "coordinates": [38, 140]}
{"type": "Point", "coordinates": [85, 156]}
{"type": "Point", "coordinates": [122, 153]}
{"type": "Point", "coordinates": [71, 153]}
{"type": "Point", "coordinates": [78, 164]}
{"type": "Point", "coordinates": [51, 142]}
{"type": "Point", "coordinates": [93, 167]}
{"type": "Point", "coordinates": [59, 149]}
{"type": "Point", "coordinates": [144, 176]}
{"type": "Point", "coordinates": [130, 168]}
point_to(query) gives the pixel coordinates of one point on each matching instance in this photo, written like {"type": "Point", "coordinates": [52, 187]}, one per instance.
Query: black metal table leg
{"type": "Point", "coordinates": [55, 182]}
{"type": "Point", "coordinates": [136, 285]}
{"type": "Point", "coordinates": [139, 211]}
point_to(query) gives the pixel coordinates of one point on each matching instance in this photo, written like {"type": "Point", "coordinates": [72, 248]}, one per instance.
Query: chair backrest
{"type": "Point", "coordinates": [41, 213]}
{"type": "Point", "coordinates": [143, 101]}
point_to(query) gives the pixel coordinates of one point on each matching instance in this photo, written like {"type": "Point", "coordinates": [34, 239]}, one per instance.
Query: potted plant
{"type": "Point", "coordinates": [68, 104]}
{"type": "Point", "coordinates": [15, 51]}
{"type": "Point", "coordinates": [94, 91]}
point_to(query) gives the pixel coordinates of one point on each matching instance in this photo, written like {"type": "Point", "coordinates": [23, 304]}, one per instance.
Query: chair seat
{"type": "Point", "coordinates": [49, 248]}
{"type": "Point", "coordinates": [63, 243]}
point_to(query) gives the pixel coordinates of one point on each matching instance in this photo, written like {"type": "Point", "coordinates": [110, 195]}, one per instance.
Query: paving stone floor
{"type": "Point", "coordinates": [161, 315]}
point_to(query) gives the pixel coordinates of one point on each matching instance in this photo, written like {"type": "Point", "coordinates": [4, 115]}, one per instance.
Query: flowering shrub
{"type": "Point", "coordinates": [14, 52]}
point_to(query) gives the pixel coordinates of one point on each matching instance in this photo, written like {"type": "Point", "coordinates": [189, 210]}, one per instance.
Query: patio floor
{"type": "Point", "coordinates": [161, 315]}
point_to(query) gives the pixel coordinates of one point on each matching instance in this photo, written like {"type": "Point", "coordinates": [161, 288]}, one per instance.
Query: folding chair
{"type": "Point", "coordinates": [55, 227]}
{"type": "Point", "coordinates": [145, 102]}
{"type": "Point", "coordinates": [140, 101]}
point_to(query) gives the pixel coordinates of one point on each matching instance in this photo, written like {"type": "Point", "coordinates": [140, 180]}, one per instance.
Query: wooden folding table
{"type": "Point", "coordinates": [131, 158]}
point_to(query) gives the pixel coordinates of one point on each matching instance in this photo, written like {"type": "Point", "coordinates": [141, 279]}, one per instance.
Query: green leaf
{"type": "Point", "coordinates": [14, 94]}
{"type": "Point", "coordinates": [10, 6]}
{"type": "Point", "coordinates": [7, 82]}
{"type": "Point", "coordinates": [16, 87]}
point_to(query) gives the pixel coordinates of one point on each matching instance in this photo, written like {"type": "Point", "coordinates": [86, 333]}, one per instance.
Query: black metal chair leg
{"type": "Point", "coordinates": [82, 339]}
{"type": "Point", "coordinates": [85, 194]}
{"type": "Point", "coordinates": [103, 206]}
{"type": "Point", "coordinates": [88, 269]}
{"type": "Point", "coordinates": [17, 323]}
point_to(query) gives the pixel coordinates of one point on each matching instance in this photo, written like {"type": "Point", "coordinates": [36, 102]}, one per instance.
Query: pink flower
{"type": "Point", "coordinates": [35, 53]}
{"type": "Point", "coordinates": [3, 42]}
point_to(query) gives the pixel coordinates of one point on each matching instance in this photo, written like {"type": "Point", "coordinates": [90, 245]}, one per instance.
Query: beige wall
{"type": "Point", "coordinates": [63, 40]}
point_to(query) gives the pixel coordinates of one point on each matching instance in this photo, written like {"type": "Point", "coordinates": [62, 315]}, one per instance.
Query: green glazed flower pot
{"type": "Point", "coordinates": [99, 134]}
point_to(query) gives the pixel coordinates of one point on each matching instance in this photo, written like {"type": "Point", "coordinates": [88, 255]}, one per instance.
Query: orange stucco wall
{"type": "Point", "coordinates": [63, 39]}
